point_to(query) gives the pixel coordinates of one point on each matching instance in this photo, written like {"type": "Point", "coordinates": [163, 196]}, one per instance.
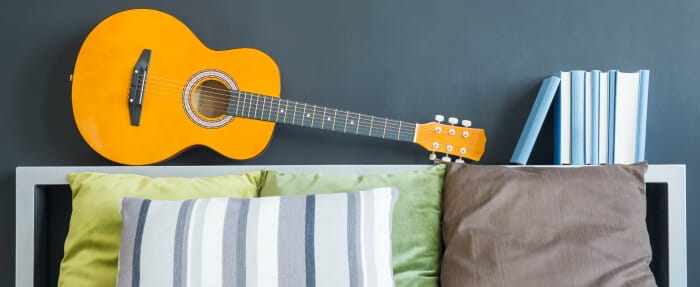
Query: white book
{"type": "Point", "coordinates": [603, 120]}
{"type": "Point", "coordinates": [564, 133]}
{"type": "Point", "coordinates": [588, 120]}
{"type": "Point", "coordinates": [626, 111]}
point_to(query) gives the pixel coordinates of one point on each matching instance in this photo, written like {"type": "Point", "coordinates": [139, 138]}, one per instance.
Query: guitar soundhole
{"type": "Point", "coordinates": [211, 99]}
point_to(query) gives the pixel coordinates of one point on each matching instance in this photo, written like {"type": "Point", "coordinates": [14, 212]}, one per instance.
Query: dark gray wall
{"type": "Point", "coordinates": [482, 60]}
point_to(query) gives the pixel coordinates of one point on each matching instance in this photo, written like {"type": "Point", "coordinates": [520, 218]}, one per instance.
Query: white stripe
{"type": "Point", "coordinates": [157, 253]}
{"type": "Point", "coordinates": [382, 236]}
{"type": "Point", "coordinates": [330, 240]}
{"type": "Point", "coordinates": [212, 242]}
{"type": "Point", "coordinates": [268, 222]}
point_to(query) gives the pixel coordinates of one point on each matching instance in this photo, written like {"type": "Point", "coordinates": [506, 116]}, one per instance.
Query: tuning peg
{"type": "Point", "coordinates": [432, 156]}
{"type": "Point", "coordinates": [467, 123]}
{"type": "Point", "coordinates": [439, 118]}
{"type": "Point", "coordinates": [446, 159]}
{"type": "Point", "coordinates": [452, 120]}
{"type": "Point", "coordinates": [459, 160]}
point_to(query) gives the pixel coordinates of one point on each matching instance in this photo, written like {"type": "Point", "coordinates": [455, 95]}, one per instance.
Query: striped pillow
{"type": "Point", "coordinates": [341, 239]}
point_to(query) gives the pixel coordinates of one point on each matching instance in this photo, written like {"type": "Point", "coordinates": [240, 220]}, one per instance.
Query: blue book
{"type": "Point", "coordinates": [595, 116]}
{"type": "Point", "coordinates": [562, 121]}
{"type": "Point", "coordinates": [642, 115]}
{"type": "Point", "coordinates": [577, 117]}
{"type": "Point", "coordinates": [612, 77]}
{"type": "Point", "coordinates": [534, 121]}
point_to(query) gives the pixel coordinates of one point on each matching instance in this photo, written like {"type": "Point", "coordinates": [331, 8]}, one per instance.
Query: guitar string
{"type": "Point", "coordinates": [393, 131]}
{"type": "Point", "coordinates": [238, 94]}
{"type": "Point", "coordinates": [248, 94]}
{"type": "Point", "coordinates": [176, 84]}
{"type": "Point", "coordinates": [390, 124]}
{"type": "Point", "coordinates": [250, 112]}
{"type": "Point", "coordinates": [399, 134]}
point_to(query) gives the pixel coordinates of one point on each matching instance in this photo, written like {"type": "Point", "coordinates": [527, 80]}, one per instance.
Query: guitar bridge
{"type": "Point", "coordinates": [138, 85]}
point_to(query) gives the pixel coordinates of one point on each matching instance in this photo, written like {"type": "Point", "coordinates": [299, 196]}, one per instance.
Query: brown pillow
{"type": "Point", "coordinates": [545, 226]}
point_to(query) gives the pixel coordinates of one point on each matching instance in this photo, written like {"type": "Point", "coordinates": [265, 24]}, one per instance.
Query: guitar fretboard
{"type": "Point", "coordinates": [260, 107]}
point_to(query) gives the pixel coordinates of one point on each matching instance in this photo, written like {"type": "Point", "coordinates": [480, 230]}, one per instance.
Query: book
{"type": "Point", "coordinates": [642, 116]}
{"type": "Point", "coordinates": [587, 119]}
{"type": "Point", "coordinates": [612, 78]}
{"type": "Point", "coordinates": [577, 117]}
{"type": "Point", "coordinates": [603, 119]}
{"type": "Point", "coordinates": [562, 121]}
{"type": "Point", "coordinates": [542, 103]}
{"type": "Point", "coordinates": [626, 116]}
{"type": "Point", "coordinates": [594, 118]}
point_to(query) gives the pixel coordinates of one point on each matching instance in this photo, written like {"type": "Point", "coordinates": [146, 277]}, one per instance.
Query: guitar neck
{"type": "Point", "coordinates": [261, 107]}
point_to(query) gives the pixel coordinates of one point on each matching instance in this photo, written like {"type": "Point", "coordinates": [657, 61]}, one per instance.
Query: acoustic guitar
{"type": "Point", "coordinates": [145, 88]}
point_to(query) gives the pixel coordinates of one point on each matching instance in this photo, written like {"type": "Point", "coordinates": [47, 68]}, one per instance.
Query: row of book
{"type": "Point", "coordinates": [599, 117]}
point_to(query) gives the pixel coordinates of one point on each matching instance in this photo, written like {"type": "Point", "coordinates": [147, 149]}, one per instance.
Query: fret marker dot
{"type": "Point", "coordinates": [281, 111]}
{"type": "Point", "coordinates": [308, 115]}
{"type": "Point", "coordinates": [329, 118]}
{"type": "Point", "coordinates": [352, 122]}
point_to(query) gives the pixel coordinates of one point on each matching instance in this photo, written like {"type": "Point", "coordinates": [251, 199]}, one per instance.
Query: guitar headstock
{"type": "Point", "coordinates": [459, 141]}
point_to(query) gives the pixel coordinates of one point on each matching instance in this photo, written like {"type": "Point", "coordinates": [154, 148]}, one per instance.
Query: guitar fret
{"type": "Point", "coordinates": [345, 127]}
{"type": "Point", "coordinates": [251, 105]}
{"type": "Point", "coordinates": [323, 119]}
{"type": "Point", "coordinates": [277, 117]}
{"type": "Point", "coordinates": [398, 135]}
{"type": "Point", "coordinates": [312, 119]}
{"type": "Point", "coordinates": [334, 115]}
{"type": "Point", "coordinates": [255, 112]}
{"type": "Point", "coordinates": [238, 100]}
{"type": "Point", "coordinates": [303, 115]}
{"type": "Point", "coordinates": [371, 122]}
{"type": "Point", "coordinates": [385, 122]}
{"type": "Point", "coordinates": [358, 124]}
{"type": "Point", "coordinates": [272, 101]}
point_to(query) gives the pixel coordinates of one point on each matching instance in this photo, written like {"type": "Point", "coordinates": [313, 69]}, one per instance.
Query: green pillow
{"type": "Point", "coordinates": [91, 249]}
{"type": "Point", "coordinates": [416, 240]}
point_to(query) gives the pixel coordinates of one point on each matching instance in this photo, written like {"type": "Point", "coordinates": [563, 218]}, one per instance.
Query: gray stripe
{"type": "Point", "coordinates": [291, 241]}
{"type": "Point", "coordinates": [180, 256]}
{"type": "Point", "coordinates": [368, 229]}
{"type": "Point", "coordinates": [309, 241]}
{"type": "Point", "coordinates": [251, 239]}
{"type": "Point", "coordinates": [137, 243]}
{"type": "Point", "coordinates": [241, 243]}
{"type": "Point", "coordinates": [129, 207]}
{"type": "Point", "coordinates": [354, 249]}
{"type": "Point", "coordinates": [195, 263]}
{"type": "Point", "coordinates": [229, 252]}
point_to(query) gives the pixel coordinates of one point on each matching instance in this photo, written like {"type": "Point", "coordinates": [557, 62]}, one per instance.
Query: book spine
{"type": "Point", "coordinates": [587, 119]}
{"type": "Point", "coordinates": [577, 117]}
{"type": "Point", "coordinates": [543, 101]}
{"type": "Point", "coordinates": [562, 122]}
{"type": "Point", "coordinates": [642, 115]}
{"type": "Point", "coordinates": [595, 116]}
{"type": "Point", "coordinates": [612, 76]}
{"type": "Point", "coordinates": [603, 123]}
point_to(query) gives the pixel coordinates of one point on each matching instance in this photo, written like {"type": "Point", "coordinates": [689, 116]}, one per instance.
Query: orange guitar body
{"type": "Point", "coordinates": [101, 87]}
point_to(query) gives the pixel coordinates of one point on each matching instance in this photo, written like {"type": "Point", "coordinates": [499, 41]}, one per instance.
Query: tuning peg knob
{"type": "Point", "coordinates": [452, 120]}
{"type": "Point", "coordinates": [439, 118]}
{"type": "Point", "coordinates": [432, 156]}
{"type": "Point", "coordinates": [446, 159]}
{"type": "Point", "coordinates": [459, 160]}
{"type": "Point", "coordinates": [467, 123]}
